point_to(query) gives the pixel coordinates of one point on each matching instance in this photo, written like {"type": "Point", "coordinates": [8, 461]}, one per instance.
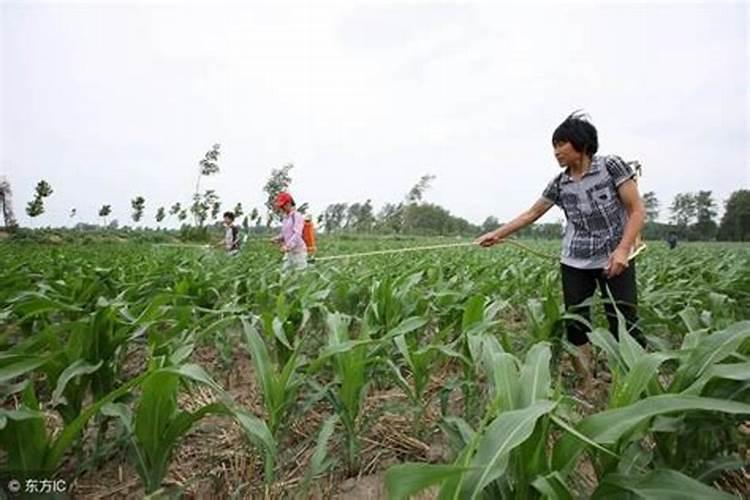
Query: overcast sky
{"type": "Point", "coordinates": [108, 102]}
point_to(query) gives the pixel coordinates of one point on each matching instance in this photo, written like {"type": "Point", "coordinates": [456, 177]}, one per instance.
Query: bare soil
{"type": "Point", "coordinates": [216, 461]}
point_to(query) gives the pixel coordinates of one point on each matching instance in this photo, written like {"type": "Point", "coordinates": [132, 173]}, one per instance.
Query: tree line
{"type": "Point", "coordinates": [692, 215]}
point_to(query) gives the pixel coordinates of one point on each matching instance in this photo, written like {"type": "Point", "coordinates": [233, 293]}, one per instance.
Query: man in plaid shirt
{"type": "Point", "coordinates": [604, 215]}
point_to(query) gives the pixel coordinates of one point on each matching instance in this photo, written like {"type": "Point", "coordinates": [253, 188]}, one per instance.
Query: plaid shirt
{"type": "Point", "coordinates": [596, 216]}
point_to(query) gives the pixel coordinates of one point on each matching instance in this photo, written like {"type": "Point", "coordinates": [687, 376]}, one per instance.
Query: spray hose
{"type": "Point", "coordinates": [513, 242]}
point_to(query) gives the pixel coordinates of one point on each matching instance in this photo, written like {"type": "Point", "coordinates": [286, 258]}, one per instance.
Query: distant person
{"type": "Point", "coordinates": [308, 235]}
{"type": "Point", "coordinates": [231, 241]}
{"type": "Point", "coordinates": [604, 215]}
{"type": "Point", "coordinates": [672, 240]}
{"type": "Point", "coordinates": [291, 240]}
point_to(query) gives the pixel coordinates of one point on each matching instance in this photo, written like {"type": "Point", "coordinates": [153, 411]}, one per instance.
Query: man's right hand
{"type": "Point", "coordinates": [487, 239]}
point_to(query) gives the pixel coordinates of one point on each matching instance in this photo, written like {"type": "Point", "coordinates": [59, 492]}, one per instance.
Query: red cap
{"type": "Point", "coordinates": [282, 199]}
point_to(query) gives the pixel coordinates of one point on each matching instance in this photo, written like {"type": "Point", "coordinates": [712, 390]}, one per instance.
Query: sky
{"type": "Point", "coordinates": [108, 101]}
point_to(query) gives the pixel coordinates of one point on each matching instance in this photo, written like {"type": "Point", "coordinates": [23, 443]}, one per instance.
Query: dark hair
{"type": "Point", "coordinates": [229, 215]}
{"type": "Point", "coordinates": [579, 132]}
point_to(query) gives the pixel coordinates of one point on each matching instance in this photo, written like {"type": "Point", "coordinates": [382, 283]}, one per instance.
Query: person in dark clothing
{"type": "Point", "coordinates": [231, 240]}
{"type": "Point", "coordinates": [672, 240]}
{"type": "Point", "coordinates": [604, 213]}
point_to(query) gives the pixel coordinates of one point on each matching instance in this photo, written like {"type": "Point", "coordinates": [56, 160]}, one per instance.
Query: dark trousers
{"type": "Point", "coordinates": [579, 285]}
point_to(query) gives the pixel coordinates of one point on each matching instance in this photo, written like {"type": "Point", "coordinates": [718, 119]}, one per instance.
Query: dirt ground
{"type": "Point", "coordinates": [215, 460]}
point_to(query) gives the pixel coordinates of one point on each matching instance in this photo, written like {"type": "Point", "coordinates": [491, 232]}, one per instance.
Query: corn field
{"type": "Point", "coordinates": [134, 370]}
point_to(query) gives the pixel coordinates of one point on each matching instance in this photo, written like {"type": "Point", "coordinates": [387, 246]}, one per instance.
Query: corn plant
{"type": "Point", "coordinates": [491, 459]}
{"type": "Point", "coordinates": [420, 361]}
{"type": "Point", "coordinates": [690, 442]}
{"type": "Point", "coordinates": [478, 318]}
{"type": "Point", "coordinates": [280, 383]}
{"type": "Point", "coordinates": [23, 435]}
{"type": "Point", "coordinates": [158, 424]}
{"type": "Point", "coordinates": [78, 358]}
{"type": "Point", "coordinates": [320, 461]}
{"type": "Point", "coordinates": [393, 301]}
{"type": "Point", "coordinates": [671, 422]}
{"type": "Point", "coordinates": [507, 456]}
{"type": "Point", "coordinates": [283, 324]}
{"type": "Point", "coordinates": [351, 361]}
{"type": "Point", "coordinates": [654, 486]}
{"type": "Point", "coordinates": [545, 316]}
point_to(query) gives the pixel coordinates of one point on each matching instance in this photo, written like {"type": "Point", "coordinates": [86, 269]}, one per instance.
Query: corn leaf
{"type": "Point", "coordinates": [76, 369]}
{"type": "Point", "coordinates": [505, 433]}
{"type": "Point", "coordinates": [535, 377]}
{"type": "Point", "coordinates": [712, 349]}
{"type": "Point", "coordinates": [609, 426]}
{"type": "Point", "coordinates": [17, 365]}
{"type": "Point", "coordinates": [553, 487]}
{"type": "Point", "coordinates": [661, 484]}
{"type": "Point", "coordinates": [404, 480]}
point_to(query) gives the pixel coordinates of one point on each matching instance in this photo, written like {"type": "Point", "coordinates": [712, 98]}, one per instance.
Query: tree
{"type": "Point", "coordinates": [359, 217]}
{"type": "Point", "coordinates": [160, 214]}
{"type": "Point", "coordinates": [73, 212]}
{"type": "Point", "coordinates": [705, 206]}
{"type": "Point", "coordinates": [198, 209]}
{"type": "Point", "coordinates": [651, 203]}
{"type": "Point", "coordinates": [391, 218]}
{"type": "Point", "coordinates": [175, 209]}
{"type": "Point", "coordinates": [413, 197]}
{"type": "Point", "coordinates": [43, 189]}
{"type": "Point", "coordinates": [544, 231]}
{"type": "Point", "coordinates": [211, 199]}
{"type": "Point", "coordinates": [238, 210]}
{"type": "Point", "coordinates": [255, 216]}
{"type": "Point", "coordinates": [104, 212]}
{"type": "Point", "coordinates": [352, 216]}
{"type": "Point", "coordinates": [6, 200]}
{"type": "Point", "coordinates": [366, 217]}
{"type": "Point", "coordinates": [138, 204]}
{"type": "Point", "coordinates": [208, 165]}
{"type": "Point", "coordinates": [683, 209]}
{"type": "Point", "coordinates": [215, 209]}
{"type": "Point", "coordinates": [416, 193]}
{"type": "Point", "coordinates": [182, 215]}
{"type": "Point", "coordinates": [278, 181]}
{"type": "Point", "coordinates": [202, 204]}
{"type": "Point", "coordinates": [36, 206]}
{"type": "Point", "coordinates": [735, 223]}
{"type": "Point", "coordinates": [428, 218]}
{"type": "Point", "coordinates": [333, 216]}
{"type": "Point", "coordinates": [490, 224]}
{"type": "Point", "coordinates": [705, 226]}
